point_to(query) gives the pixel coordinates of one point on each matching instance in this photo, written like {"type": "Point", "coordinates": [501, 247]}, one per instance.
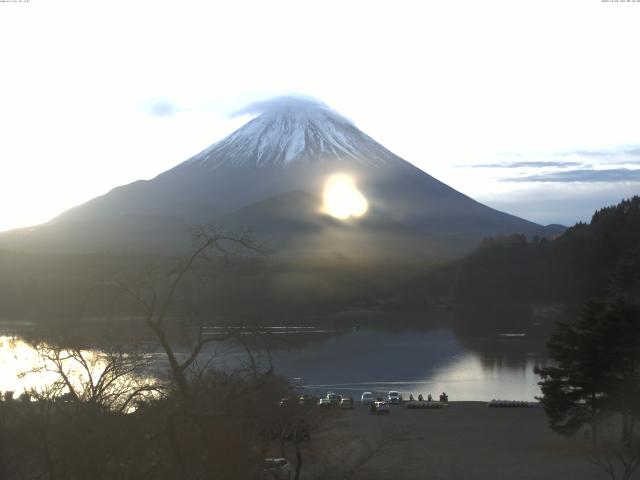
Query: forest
{"type": "Point", "coordinates": [517, 284]}
{"type": "Point", "coordinates": [509, 283]}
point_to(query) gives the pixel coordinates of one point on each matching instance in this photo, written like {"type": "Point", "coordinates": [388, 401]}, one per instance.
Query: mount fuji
{"type": "Point", "coordinates": [268, 176]}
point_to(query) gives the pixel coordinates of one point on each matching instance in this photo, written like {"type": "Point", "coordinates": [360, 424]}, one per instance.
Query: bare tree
{"type": "Point", "coordinates": [345, 457]}
{"type": "Point", "coordinates": [295, 424]}
{"type": "Point", "coordinates": [208, 243]}
{"type": "Point", "coordinates": [190, 428]}
{"type": "Point", "coordinates": [113, 378]}
{"type": "Point", "coordinates": [321, 445]}
{"type": "Point", "coordinates": [619, 460]}
{"type": "Point", "coordinates": [85, 392]}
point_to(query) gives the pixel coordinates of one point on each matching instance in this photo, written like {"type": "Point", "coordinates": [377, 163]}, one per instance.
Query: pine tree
{"type": "Point", "coordinates": [623, 341]}
{"type": "Point", "coordinates": [575, 390]}
{"type": "Point", "coordinates": [597, 371]}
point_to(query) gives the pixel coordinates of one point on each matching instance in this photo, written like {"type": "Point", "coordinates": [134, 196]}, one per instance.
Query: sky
{"type": "Point", "coordinates": [528, 106]}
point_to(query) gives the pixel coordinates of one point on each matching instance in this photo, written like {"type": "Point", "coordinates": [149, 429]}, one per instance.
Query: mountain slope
{"type": "Point", "coordinates": [293, 145]}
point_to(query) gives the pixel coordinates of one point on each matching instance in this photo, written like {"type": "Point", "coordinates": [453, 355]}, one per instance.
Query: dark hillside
{"type": "Point", "coordinates": [514, 284]}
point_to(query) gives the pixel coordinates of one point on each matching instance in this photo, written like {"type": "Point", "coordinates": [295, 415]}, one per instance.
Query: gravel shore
{"type": "Point", "coordinates": [467, 441]}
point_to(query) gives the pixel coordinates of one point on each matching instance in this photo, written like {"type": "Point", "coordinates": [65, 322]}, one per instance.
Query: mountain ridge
{"type": "Point", "coordinates": [293, 145]}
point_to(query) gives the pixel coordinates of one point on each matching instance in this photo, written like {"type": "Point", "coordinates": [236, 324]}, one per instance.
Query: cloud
{"type": "Point", "coordinates": [593, 153]}
{"type": "Point", "coordinates": [160, 108]}
{"type": "Point", "coordinates": [530, 164]}
{"type": "Point", "coordinates": [625, 155]}
{"type": "Point", "coordinates": [627, 162]}
{"type": "Point", "coordinates": [584, 166]}
{"type": "Point", "coordinates": [298, 103]}
{"type": "Point", "coordinates": [626, 151]}
{"type": "Point", "coordinates": [614, 175]}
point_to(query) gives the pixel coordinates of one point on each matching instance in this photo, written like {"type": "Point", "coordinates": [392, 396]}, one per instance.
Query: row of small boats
{"type": "Point", "coordinates": [508, 404]}
{"type": "Point", "coordinates": [421, 404]}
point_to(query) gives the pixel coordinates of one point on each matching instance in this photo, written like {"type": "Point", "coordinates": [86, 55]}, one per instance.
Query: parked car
{"type": "Point", "coordinates": [324, 402]}
{"type": "Point", "coordinates": [380, 408]}
{"type": "Point", "coordinates": [333, 398]}
{"type": "Point", "coordinates": [367, 398]}
{"type": "Point", "coordinates": [346, 402]}
{"type": "Point", "coordinates": [277, 469]}
{"type": "Point", "coordinates": [394, 397]}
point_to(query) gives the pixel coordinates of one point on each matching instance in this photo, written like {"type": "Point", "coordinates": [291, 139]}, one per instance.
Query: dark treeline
{"type": "Point", "coordinates": [508, 284]}
{"type": "Point", "coordinates": [42, 287]}
{"type": "Point", "coordinates": [515, 284]}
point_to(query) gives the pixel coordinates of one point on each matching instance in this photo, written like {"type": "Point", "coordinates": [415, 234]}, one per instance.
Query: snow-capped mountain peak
{"type": "Point", "coordinates": [271, 176]}
{"type": "Point", "coordinates": [288, 130]}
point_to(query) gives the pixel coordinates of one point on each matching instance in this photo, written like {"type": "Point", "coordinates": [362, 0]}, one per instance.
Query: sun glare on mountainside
{"type": "Point", "coordinates": [342, 199]}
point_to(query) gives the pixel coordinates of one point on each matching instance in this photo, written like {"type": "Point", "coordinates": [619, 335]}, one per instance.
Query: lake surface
{"type": "Point", "coordinates": [417, 362]}
{"type": "Point", "coordinates": [410, 361]}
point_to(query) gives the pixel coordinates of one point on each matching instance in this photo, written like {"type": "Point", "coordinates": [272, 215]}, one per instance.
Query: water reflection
{"type": "Point", "coordinates": [16, 358]}
{"type": "Point", "coordinates": [418, 362]}
{"type": "Point", "coordinates": [412, 361]}
{"type": "Point", "coordinates": [470, 378]}
{"type": "Point", "coordinates": [115, 379]}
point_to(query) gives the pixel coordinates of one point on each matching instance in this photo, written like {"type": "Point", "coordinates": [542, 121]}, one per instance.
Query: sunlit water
{"type": "Point", "coordinates": [417, 361]}
{"type": "Point", "coordinates": [17, 360]}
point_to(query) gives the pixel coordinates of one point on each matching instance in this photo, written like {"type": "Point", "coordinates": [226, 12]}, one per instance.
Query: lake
{"type": "Point", "coordinates": [418, 361]}
{"type": "Point", "coordinates": [353, 361]}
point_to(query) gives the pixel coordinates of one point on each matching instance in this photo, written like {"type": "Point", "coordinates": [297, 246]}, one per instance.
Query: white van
{"type": "Point", "coordinates": [367, 398]}
{"type": "Point", "coordinates": [394, 397]}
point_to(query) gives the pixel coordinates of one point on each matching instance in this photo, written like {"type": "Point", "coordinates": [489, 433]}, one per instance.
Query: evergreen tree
{"type": "Point", "coordinates": [597, 371]}
{"type": "Point", "coordinates": [575, 389]}
{"type": "Point", "coordinates": [623, 341]}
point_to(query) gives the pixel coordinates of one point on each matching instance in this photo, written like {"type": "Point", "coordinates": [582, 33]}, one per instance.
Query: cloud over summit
{"type": "Point", "coordinates": [290, 104]}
